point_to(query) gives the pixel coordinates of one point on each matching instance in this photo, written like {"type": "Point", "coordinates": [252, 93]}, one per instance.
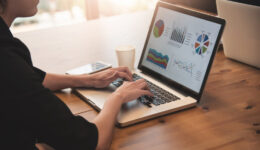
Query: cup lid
{"type": "Point", "coordinates": [125, 48]}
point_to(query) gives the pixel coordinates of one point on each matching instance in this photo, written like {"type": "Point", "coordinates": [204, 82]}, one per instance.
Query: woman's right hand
{"type": "Point", "coordinates": [132, 90]}
{"type": "Point", "coordinates": [105, 121]}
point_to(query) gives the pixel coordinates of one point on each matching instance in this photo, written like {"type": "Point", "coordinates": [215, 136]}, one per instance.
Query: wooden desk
{"type": "Point", "coordinates": [228, 116]}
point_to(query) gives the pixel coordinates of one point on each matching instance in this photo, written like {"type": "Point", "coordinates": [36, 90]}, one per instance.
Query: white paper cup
{"type": "Point", "coordinates": [126, 56]}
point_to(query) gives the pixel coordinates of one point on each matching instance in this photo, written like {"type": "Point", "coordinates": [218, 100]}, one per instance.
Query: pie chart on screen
{"type": "Point", "coordinates": [202, 43]}
{"type": "Point", "coordinates": [158, 28]}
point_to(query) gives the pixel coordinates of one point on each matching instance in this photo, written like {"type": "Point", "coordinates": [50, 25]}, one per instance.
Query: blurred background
{"type": "Point", "coordinates": [62, 12]}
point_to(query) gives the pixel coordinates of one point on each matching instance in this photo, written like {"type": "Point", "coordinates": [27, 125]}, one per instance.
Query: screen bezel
{"type": "Point", "coordinates": [165, 80]}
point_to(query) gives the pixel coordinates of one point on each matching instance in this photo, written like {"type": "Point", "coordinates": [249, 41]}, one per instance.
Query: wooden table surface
{"type": "Point", "coordinates": [227, 118]}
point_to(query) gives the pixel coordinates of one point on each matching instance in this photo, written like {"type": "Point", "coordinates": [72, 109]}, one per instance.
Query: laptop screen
{"type": "Point", "coordinates": [180, 47]}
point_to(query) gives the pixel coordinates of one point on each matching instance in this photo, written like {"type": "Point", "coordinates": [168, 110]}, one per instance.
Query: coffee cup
{"type": "Point", "coordinates": [126, 56]}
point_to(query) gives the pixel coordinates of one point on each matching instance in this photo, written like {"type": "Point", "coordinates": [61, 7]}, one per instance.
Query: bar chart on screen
{"type": "Point", "coordinates": [179, 35]}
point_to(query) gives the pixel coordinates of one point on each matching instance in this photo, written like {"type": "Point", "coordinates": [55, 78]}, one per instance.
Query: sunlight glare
{"type": "Point", "coordinates": [128, 3]}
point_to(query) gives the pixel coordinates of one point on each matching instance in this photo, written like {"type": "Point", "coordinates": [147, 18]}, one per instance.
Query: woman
{"type": "Point", "coordinates": [30, 113]}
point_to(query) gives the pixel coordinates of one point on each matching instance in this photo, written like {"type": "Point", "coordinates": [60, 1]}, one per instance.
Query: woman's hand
{"type": "Point", "coordinates": [132, 90]}
{"type": "Point", "coordinates": [104, 78]}
{"type": "Point", "coordinates": [105, 121]}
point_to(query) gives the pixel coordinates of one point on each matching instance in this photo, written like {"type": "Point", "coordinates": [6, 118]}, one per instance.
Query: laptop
{"type": "Point", "coordinates": [241, 39]}
{"type": "Point", "coordinates": [175, 62]}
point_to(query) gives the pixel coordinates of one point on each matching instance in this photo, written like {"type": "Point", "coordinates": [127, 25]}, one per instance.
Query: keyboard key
{"type": "Point", "coordinates": [161, 101]}
{"type": "Point", "coordinates": [155, 102]}
{"type": "Point", "coordinates": [144, 101]}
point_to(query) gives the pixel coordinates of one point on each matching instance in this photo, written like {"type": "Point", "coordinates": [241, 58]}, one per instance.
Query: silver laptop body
{"type": "Point", "coordinates": [241, 39]}
{"type": "Point", "coordinates": [173, 29]}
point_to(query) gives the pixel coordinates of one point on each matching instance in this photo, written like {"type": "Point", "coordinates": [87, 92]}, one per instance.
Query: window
{"type": "Point", "coordinates": [62, 12]}
{"type": "Point", "coordinates": [115, 7]}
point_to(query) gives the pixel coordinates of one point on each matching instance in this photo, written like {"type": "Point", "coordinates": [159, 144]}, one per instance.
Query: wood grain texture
{"type": "Point", "coordinates": [75, 104]}
{"type": "Point", "coordinates": [227, 118]}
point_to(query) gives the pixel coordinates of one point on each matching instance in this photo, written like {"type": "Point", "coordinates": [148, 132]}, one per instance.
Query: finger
{"type": "Point", "coordinates": [116, 75]}
{"type": "Point", "coordinates": [144, 86]}
{"type": "Point", "coordinates": [124, 75]}
{"type": "Point", "coordinates": [126, 70]}
{"type": "Point", "coordinates": [112, 77]}
{"type": "Point", "coordinates": [145, 92]}
{"type": "Point", "coordinates": [139, 81]}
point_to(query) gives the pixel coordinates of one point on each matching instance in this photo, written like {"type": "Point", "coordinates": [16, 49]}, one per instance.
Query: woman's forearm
{"type": "Point", "coordinates": [57, 82]}
{"type": "Point", "coordinates": [106, 119]}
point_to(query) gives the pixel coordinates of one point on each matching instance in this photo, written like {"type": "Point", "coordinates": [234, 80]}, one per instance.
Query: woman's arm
{"type": "Point", "coordinates": [57, 82]}
{"type": "Point", "coordinates": [105, 121]}
{"type": "Point", "coordinates": [98, 80]}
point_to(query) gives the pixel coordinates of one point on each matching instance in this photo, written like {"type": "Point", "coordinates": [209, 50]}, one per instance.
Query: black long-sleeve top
{"type": "Point", "coordinates": [29, 112]}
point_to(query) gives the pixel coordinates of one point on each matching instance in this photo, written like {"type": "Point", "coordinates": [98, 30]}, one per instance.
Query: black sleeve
{"type": "Point", "coordinates": [28, 104]}
{"type": "Point", "coordinates": [40, 73]}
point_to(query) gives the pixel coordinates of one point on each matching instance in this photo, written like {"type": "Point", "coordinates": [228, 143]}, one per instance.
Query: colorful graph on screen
{"type": "Point", "coordinates": [202, 43]}
{"type": "Point", "coordinates": [158, 58]}
{"type": "Point", "coordinates": [158, 28]}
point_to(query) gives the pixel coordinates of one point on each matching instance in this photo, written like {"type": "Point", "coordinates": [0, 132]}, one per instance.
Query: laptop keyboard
{"type": "Point", "coordinates": [160, 95]}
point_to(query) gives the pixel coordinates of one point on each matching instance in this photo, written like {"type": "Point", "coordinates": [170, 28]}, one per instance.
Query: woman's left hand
{"type": "Point", "coordinates": [104, 78]}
